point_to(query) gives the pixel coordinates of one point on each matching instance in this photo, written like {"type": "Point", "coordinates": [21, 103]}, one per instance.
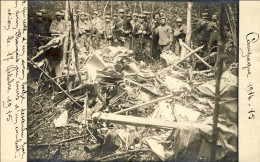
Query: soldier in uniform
{"type": "Point", "coordinates": [179, 33]}
{"type": "Point", "coordinates": [100, 14]}
{"type": "Point", "coordinates": [58, 26]}
{"type": "Point", "coordinates": [98, 27]}
{"type": "Point", "coordinates": [134, 20]}
{"type": "Point", "coordinates": [212, 28]}
{"type": "Point", "coordinates": [155, 37]}
{"type": "Point", "coordinates": [114, 19]}
{"type": "Point", "coordinates": [47, 20]}
{"type": "Point", "coordinates": [108, 30]}
{"type": "Point", "coordinates": [39, 26]}
{"type": "Point", "coordinates": [202, 33]}
{"type": "Point", "coordinates": [84, 31]}
{"type": "Point", "coordinates": [165, 35]}
{"type": "Point", "coordinates": [127, 30]}
{"type": "Point", "coordinates": [141, 33]}
{"type": "Point", "coordinates": [39, 31]}
{"type": "Point", "coordinates": [118, 31]}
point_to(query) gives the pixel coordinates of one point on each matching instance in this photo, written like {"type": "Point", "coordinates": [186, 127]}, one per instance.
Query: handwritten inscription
{"type": "Point", "coordinates": [251, 38]}
{"type": "Point", "coordinates": [14, 72]}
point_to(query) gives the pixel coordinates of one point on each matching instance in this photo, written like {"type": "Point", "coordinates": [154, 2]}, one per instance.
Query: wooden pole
{"type": "Point", "coordinates": [105, 10]}
{"type": "Point", "coordinates": [148, 122]}
{"type": "Point", "coordinates": [65, 44]}
{"type": "Point", "coordinates": [141, 6]}
{"type": "Point", "coordinates": [72, 99]}
{"type": "Point", "coordinates": [201, 59]}
{"type": "Point", "coordinates": [74, 38]}
{"type": "Point", "coordinates": [220, 59]}
{"type": "Point", "coordinates": [188, 55]}
{"type": "Point", "coordinates": [189, 28]}
{"type": "Point", "coordinates": [144, 104]}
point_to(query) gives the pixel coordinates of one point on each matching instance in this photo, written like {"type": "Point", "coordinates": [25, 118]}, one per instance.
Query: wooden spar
{"type": "Point", "coordinates": [189, 27]}
{"type": "Point", "coordinates": [74, 38]}
{"type": "Point", "coordinates": [66, 38]}
{"type": "Point", "coordinates": [188, 55]}
{"type": "Point", "coordinates": [148, 122]}
{"type": "Point", "coordinates": [105, 10]}
{"type": "Point", "coordinates": [72, 99]}
{"type": "Point", "coordinates": [144, 104]}
{"type": "Point", "coordinates": [201, 59]}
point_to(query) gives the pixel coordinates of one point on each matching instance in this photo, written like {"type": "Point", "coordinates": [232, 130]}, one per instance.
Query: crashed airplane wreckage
{"type": "Point", "coordinates": [129, 106]}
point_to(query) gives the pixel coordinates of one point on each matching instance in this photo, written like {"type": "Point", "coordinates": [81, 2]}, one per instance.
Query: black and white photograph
{"type": "Point", "coordinates": [132, 81]}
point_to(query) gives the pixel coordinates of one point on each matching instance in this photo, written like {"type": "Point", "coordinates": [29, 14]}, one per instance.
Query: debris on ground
{"type": "Point", "coordinates": [124, 109]}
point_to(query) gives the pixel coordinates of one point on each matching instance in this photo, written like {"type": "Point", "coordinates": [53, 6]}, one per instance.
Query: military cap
{"type": "Point", "coordinates": [121, 10]}
{"type": "Point", "coordinates": [39, 14]}
{"type": "Point", "coordinates": [142, 16]}
{"type": "Point", "coordinates": [83, 13]}
{"type": "Point", "coordinates": [135, 14]}
{"type": "Point", "coordinates": [115, 14]}
{"type": "Point", "coordinates": [95, 12]}
{"type": "Point", "coordinates": [164, 18]}
{"type": "Point", "coordinates": [129, 15]}
{"type": "Point", "coordinates": [179, 19]}
{"type": "Point", "coordinates": [145, 12]}
{"type": "Point", "coordinates": [107, 17]}
{"type": "Point", "coordinates": [78, 10]}
{"type": "Point", "coordinates": [148, 13]}
{"type": "Point", "coordinates": [204, 14]}
{"type": "Point", "coordinates": [43, 11]}
{"type": "Point", "coordinates": [57, 13]}
{"type": "Point", "coordinates": [162, 11]}
{"type": "Point", "coordinates": [99, 11]}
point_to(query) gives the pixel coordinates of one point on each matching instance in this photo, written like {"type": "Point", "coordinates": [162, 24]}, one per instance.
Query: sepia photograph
{"type": "Point", "coordinates": [132, 81]}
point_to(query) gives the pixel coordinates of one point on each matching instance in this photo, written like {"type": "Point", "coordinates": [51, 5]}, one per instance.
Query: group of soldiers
{"type": "Point", "coordinates": [147, 34]}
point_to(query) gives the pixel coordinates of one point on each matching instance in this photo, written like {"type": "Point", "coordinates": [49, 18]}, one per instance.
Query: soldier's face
{"type": "Point", "coordinates": [157, 17]}
{"type": "Point", "coordinates": [135, 18]}
{"type": "Point", "coordinates": [141, 20]}
{"type": "Point", "coordinates": [75, 17]}
{"type": "Point", "coordinates": [39, 18]}
{"type": "Point", "coordinates": [82, 17]}
{"type": "Point", "coordinates": [214, 17]}
{"type": "Point", "coordinates": [58, 17]}
{"type": "Point", "coordinates": [43, 15]}
{"type": "Point", "coordinates": [179, 24]}
{"type": "Point", "coordinates": [121, 14]}
{"type": "Point", "coordinates": [163, 21]}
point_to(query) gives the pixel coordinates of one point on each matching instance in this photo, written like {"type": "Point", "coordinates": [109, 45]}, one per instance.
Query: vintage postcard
{"type": "Point", "coordinates": [130, 81]}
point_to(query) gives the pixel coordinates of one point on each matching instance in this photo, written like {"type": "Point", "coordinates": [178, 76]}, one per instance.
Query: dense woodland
{"type": "Point", "coordinates": [193, 108]}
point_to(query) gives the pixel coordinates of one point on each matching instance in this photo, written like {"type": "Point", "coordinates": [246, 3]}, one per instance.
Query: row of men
{"type": "Point", "coordinates": [146, 35]}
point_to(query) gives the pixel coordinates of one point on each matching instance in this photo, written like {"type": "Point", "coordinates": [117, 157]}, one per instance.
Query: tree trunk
{"type": "Point", "coordinates": [74, 39]}
{"type": "Point", "coordinates": [220, 59]}
{"type": "Point", "coordinates": [65, 44]}
{"type": "Point", "coordinates": [189, 28]}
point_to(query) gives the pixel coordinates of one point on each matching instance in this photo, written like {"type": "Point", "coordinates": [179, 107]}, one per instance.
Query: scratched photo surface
{"type": "Point", "coordinates": [120, 81]}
